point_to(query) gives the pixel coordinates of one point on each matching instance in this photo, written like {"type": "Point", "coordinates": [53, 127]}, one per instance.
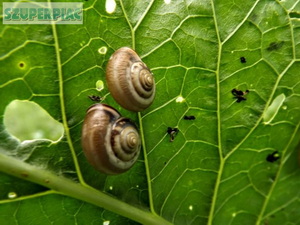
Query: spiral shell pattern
{"type": "Point", "coordinates": [129, 80]}
{"type": "Point", "coordinates": [111, 143]}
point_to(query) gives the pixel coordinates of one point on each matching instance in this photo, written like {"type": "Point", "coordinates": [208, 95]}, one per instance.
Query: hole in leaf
{"type": "Point", "coordinates": [27, 120]}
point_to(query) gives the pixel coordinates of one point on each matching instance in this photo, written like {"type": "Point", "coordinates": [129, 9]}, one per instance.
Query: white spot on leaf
{"type": "Point", "coordinates": [167, 1]}
{"type": "Point", "coordinates": [110, 6]}
{"type": "Point", "coordinates": [107, 222]}
{"type": "Point", "coordinates": [180, 99]}
{"type": "Point", "coordinates": [99, 85]}
{"type": "Point", "coordinates": [12, 195]}
{"type": "Point", "coordinates": [102, 50]}
{"type": "Point", "coordinates": [273, 109]}
{"type": "Point", "coordinates": [191, 208]}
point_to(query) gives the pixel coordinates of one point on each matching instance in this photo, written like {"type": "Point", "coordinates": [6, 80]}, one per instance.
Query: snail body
{"type": "Point", "coordinates": [129, 80]}
{"type": "Point", "coordinates": [111, 143]}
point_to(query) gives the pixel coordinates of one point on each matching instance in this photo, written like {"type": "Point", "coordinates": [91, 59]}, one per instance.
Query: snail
{"type": "Point", "coordinates": [111, 143]}
{"type": "Point", "coordinates": [129, 80]}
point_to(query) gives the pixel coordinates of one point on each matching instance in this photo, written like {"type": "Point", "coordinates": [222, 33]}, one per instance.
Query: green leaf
{"type": "Point", "coordinates": [219, 167]}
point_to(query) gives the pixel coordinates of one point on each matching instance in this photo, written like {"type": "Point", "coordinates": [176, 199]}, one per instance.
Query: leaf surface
{"type": "Point", "coordinates": [216, 171]}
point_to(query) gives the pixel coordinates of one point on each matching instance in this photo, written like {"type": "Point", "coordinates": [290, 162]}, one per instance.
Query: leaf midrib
{"type": "Point", "coordinates": [221, 167]}
{"type": "Point", "coordinates": [62, 101]}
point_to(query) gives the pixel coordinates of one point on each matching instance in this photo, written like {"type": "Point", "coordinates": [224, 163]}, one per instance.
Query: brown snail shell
{"type": "Point", "coordinates": [111, 143]}
{"type": "Point", "coordinates": [129, 80]}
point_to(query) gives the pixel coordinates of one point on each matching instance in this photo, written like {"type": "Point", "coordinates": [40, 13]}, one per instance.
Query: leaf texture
{"type": "Point", "coordinates": [216, 170]}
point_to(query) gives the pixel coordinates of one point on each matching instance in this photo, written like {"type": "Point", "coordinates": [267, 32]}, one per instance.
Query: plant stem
{"type": "Point", "coordinates": [70, 188]}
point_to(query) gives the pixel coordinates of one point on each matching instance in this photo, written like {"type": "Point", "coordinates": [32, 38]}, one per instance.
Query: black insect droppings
{"type": "Point", "coordinates": [275, 46]}
{"type": "Point", "coordinates": [243, 59]}
{"type": "Point", "coordinates": [173, 132]}
{"type": "Point", "coordinates": [189, 117]}
{"type": "Point", "coordinates": [239, 95]}
{"type": "Point", "coordinates": [273, 157]}
{"type": "Point", "coordinates": [95, 98]}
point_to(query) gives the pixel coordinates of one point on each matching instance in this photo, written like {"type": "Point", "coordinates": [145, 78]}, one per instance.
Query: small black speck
{"type": "Point", "coordinates": [243, 59]}
{"type": "Point", "coordinates": [236, 92]}
{"type": "Point", "coordinates": [189, 117]}
{"type": "Point", "coordinates": [273, 157]}
{"type": "Point", "coordinates": [173, 132]}
{"type": "Point", "coordinates": [239, 95]}
{"type": "Point", "coordinates": [95, 98]}
{"type": "Point", "coordinates": [170, 130]}
{"type": "Point", "coordinates": [21, 65]}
